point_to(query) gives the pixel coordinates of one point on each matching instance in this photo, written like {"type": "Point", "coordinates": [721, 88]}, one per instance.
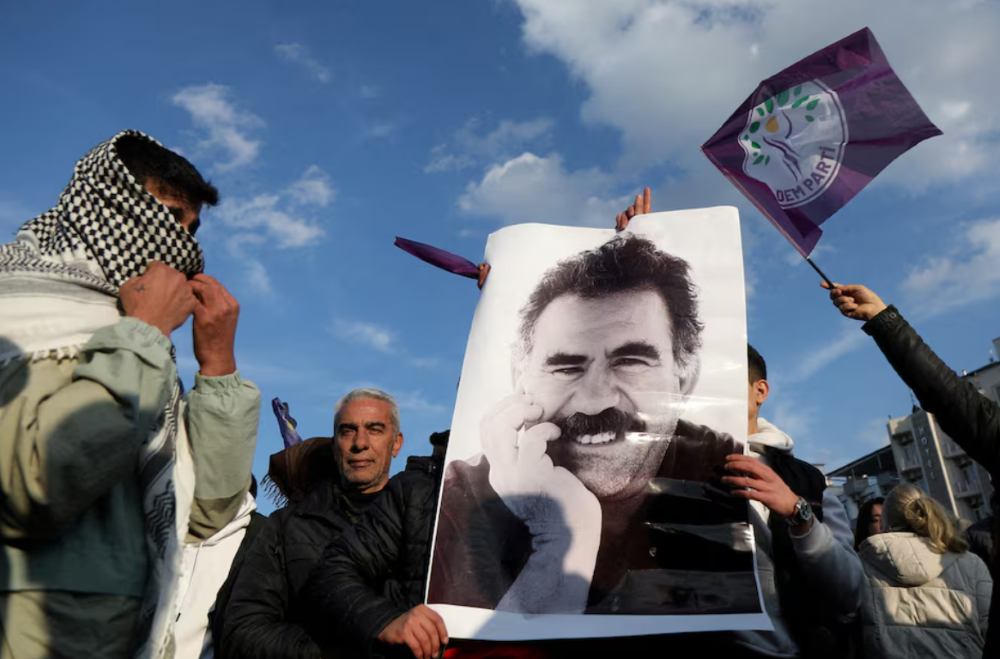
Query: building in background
{"type": "Point", "coordinates": [987, 378]}
{"type": "Point", "coordinates": [929, 458]}
{"type": "Point", "coordinates": [919, 452]}
{"type": "Point", "coordinates": [866, 478]}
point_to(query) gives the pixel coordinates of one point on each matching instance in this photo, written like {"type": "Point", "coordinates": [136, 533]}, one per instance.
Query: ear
{"type": "Point", "coordinates": [688, 376]}
{"type": "Point", "coordinates": [397, 444]}
{"type": "Point", "coordinates": [761, 391]}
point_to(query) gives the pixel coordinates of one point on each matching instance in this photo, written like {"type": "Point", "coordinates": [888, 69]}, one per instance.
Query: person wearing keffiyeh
{"type": "Point", "coordinates": [106, 466]}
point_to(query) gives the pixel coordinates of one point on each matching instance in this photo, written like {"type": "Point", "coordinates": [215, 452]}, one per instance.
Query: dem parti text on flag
{"type": "Point", "coordinates": [813, 136]}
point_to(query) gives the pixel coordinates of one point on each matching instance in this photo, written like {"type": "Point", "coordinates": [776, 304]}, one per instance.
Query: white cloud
{"type": "Point", "coordinates": [227, 127]}
{"type": "Point", "coordinates": [530, 187]}
{"type": "Point", "coordinates": [415, 402]}
{"type": "Point", "coordinates": [791, 417]}
{"type": "Point", "coordinates": [293, 52]}
{"type": "Point", "coordinates": [381, 130]}
{"type": "Point", "coordinates": [426, 362]}
{"type": "Point", "coordinates": [467, 148]}
{"type": "Point", "coordinates": [367, 334]}
{"type": "Point", "coordinates": [313, 188]}
{"type": "Point", "coordinates": [257, 276]}
{"type": "Point", "coordinates": [851, 339]}
{"type": "Point", "coordinates": [668, 74]}
{"type": "Point", "coordinates": [368, 91]}
{"type": "Point", "coordinates": [266, 214]}
{"type": "Point", "coordinates": [874, 433]}
{"type": "Point", "coordinates": [969, 274]}
{"type": "Point", "coordinates": [793, 258]}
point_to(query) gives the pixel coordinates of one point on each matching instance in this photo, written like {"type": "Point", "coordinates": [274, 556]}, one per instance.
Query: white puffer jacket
{"type": "Point", "coordinates": [920, 603]}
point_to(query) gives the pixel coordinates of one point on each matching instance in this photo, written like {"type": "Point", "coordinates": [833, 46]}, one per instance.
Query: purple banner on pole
{"type": "Point", "coordinates": [445, 260]}
{"type": "Point", "coordinates": [813, 136]}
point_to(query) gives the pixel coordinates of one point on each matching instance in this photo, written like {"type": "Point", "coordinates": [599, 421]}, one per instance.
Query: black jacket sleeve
{"type": "Point", "coordinates": [968, 417]}
{"type": "Point", "coordinates": [217, 615]}
{"type": "Point", "coordinates": [345, 587]}
{"type": "Point", "coordinates": [256, 624]}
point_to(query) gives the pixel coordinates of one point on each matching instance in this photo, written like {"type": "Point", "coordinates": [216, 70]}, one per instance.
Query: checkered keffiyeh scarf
{"type": "Point", "coordinates": [105, 229]}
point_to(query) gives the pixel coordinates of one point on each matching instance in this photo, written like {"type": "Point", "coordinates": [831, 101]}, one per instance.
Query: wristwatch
{"type": "Point", "coordinates": [803, 513]}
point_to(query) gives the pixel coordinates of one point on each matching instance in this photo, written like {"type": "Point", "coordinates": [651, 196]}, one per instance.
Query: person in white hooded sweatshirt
{"type": "Point", "coordinates": [204, 569]}
{"type": "Point", "coordinates": [824, 550]}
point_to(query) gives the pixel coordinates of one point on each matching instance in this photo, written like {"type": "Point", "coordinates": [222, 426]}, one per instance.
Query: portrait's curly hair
{"type": "Point", "coordinates": [626, 263]}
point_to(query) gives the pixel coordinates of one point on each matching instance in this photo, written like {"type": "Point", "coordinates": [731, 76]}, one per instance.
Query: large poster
{"type": "Point", "coordinates": [604, 383]}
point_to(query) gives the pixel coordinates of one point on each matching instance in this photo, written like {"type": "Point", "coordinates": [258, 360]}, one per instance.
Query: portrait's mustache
{"type": "Point", "coordinates": [611, 420]}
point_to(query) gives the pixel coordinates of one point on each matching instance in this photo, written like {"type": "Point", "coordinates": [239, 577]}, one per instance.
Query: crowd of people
{"type": "Point", "coordinates": [127, 505]}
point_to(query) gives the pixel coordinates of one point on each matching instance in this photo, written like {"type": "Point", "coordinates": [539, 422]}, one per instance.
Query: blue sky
{"type": "Point", "coordinates": [330, 128]}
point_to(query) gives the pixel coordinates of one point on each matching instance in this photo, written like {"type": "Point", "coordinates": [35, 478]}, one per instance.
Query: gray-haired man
{"type": "Point", "coordinates": [265, 617]}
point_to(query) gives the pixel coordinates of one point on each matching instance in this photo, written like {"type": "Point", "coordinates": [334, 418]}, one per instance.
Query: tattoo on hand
{"type": "Point", "coordinates": [140, 288]}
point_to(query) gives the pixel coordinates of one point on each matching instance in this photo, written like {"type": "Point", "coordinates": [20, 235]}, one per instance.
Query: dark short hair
{"type": "Point", "coordinates": [145, 160]}
{"type": "Point", "coordinates": [624, 264]}
{"type": "Point", "coordinates": [756, 366]}
{"type": "Point", "coordinates": [864, 520]}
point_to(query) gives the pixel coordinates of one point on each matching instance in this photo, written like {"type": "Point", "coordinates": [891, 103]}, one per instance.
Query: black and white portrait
{"type": "Point", "coordinates": [603, 386]}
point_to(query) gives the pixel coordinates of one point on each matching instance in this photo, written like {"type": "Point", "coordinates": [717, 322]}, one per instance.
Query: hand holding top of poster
{"type": "Point", "coordinates": [643, 204]}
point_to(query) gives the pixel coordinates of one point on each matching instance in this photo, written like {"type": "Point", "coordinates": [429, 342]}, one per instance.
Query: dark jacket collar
{"type": "Point", "coordinates": [330, 501]}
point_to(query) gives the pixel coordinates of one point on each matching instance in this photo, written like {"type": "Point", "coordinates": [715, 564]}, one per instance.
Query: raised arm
{"type": "Point", "coordinates": [968, 417]}
{"type": "Point", "coordinates": [222, 413]}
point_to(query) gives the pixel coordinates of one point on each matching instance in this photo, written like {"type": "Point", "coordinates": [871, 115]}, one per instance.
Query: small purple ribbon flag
{"type": "Point", "coordinates": [445, 260]}
{"type": "Point", "coordinates": [811, 137]}
{"type": "Point", "coordinates": [286, 424]}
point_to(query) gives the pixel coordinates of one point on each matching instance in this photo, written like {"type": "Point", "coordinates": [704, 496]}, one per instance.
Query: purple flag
{"type": "Point", "coordinates": [286, 424]}
{"type": "Point", "coordinates": [810, 138]}
{"type": "Point", "coordinates": [442, 259]}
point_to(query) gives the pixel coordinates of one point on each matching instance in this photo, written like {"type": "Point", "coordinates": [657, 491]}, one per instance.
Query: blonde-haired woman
{"type": "Point", "coordinates": [927, 596]}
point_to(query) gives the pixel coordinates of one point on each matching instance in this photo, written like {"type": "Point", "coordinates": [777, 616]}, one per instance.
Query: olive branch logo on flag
{"type": "Point", "coordinates": [813, 136]}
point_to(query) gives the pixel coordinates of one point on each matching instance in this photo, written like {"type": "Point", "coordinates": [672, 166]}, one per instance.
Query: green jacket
{"type": "Point", "coordinates": [71, 430]}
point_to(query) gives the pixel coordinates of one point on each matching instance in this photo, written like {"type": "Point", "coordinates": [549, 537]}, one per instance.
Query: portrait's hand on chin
{"type": "Point", "coordinates": [552, 502]}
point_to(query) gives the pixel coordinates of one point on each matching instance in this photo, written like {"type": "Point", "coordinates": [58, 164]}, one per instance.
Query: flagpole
{"type": "Point", "coordinates": [821, 273]}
